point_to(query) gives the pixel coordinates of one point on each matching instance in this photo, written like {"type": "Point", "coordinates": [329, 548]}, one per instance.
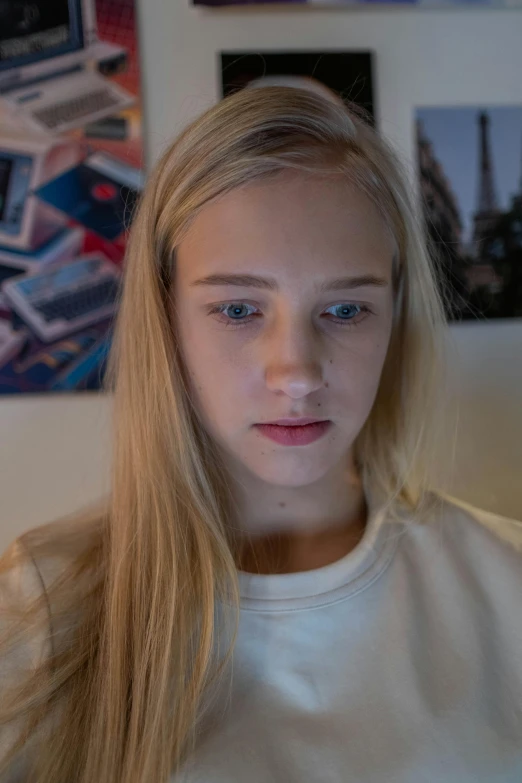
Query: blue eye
{"type": "Point", "coordinates": [234, 308]}
{"type": "Point", "coordinates": [346, 309]}
{"type": "Point", "coordinates": [235, 319]}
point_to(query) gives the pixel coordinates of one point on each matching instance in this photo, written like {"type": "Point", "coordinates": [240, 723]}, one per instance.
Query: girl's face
{"type": "Point", "coordinates": [308, 337]}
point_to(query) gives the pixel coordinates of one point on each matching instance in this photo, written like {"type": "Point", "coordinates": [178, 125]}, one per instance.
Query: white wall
{"type": "Point", "coordinates": [55, 452]}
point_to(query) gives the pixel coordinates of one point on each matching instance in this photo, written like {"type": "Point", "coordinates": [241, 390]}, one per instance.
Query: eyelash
{"type": "Point", "coordinates": [239, 323]}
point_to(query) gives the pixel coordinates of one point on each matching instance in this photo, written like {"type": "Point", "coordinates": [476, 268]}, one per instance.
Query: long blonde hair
{"type": "Point", "coordinates": [132, 586]}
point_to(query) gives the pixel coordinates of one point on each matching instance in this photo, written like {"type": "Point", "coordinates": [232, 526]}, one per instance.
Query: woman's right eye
{"type": "Point", "coordinates": [234, 318]}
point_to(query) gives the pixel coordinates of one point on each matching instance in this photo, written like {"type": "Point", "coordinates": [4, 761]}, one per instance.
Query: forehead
{"type": "Point", "coordinates": [291, 226]}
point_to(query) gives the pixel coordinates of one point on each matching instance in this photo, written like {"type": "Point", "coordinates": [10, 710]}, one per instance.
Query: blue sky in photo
{"type": "Point", "coordinates": [454, 132]}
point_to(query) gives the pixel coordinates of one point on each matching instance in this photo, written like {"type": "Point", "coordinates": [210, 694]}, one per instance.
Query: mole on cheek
{"type": "Point", "coordinates": [282, 505]}
{"type": "Point", "coordinates": [326, 385]}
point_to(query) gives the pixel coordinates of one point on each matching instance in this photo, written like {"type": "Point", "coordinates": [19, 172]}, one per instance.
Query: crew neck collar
{"type": "Point", "coordinates": [327, 584]}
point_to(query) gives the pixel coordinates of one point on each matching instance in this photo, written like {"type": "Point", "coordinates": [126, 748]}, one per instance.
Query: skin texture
{"type": "Point", "coordinates": [288, 352]}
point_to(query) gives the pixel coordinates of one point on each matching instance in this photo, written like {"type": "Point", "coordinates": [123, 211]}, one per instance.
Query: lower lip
{"type": "Point", "coordinates": [294, 436]}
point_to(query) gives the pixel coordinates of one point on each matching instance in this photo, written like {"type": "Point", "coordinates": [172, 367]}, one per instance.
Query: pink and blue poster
{"type": "Point", "coordinates": [71, 170]}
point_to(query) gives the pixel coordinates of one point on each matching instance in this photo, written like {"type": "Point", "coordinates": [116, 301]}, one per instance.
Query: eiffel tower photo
{"type": "Point", "coordinates": [487, 212]}
{"type": "Point", "coordinates": [470, 175]}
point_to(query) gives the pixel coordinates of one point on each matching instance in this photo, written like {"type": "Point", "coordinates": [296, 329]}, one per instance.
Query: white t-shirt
{"type": "Point", "coordinates": [399, 663]}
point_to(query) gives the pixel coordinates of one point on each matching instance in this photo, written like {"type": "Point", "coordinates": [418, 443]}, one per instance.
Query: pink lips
{"type": "Point", "coordinates": [293, 422]}
{"type": "Point", "coordinates": [296, 433]}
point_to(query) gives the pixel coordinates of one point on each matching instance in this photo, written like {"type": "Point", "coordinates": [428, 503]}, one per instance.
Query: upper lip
{"type": "Point", "coordinates": [293, 422]}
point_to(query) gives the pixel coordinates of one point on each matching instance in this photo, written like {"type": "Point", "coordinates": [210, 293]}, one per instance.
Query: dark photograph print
{"type": "Point", "coordinates": [347, 73]}
{"type": "Point", "coordinates": [470, 169]}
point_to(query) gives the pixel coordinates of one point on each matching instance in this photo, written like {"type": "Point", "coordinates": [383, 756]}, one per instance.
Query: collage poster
{"type": "Point", "coordinates": [71, 169]}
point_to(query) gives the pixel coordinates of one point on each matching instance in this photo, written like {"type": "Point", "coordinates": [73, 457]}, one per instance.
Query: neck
{"type": "Point", "coordinates": [290, 529]}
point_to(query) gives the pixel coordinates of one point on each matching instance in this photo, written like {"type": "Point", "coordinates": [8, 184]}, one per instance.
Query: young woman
{"type": "Point", "coordinates": [275, 590]}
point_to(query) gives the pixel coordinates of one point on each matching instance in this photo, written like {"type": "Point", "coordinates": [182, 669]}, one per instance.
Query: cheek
{"type": "Point", "coordinates": [219, 381]}
{"type": "Point", "coordinates": [212, 377]}
{"type": "Point", "coordinates": [197, 359]}
{"type": "Point", "coordinates": [354, 373]}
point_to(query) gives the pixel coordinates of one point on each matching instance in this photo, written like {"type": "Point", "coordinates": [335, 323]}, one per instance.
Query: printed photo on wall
{"type": "Point", "coordinates": [349, 74]}
{"type": "Point", "coordinates": [470, 169]}
{"type": "Point", "coordinates": [71, 170]}
{"type": "Point", "coordinates": [364, 3]}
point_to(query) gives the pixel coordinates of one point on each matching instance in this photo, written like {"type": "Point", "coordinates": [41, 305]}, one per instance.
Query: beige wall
{"type": "Point", "coordinates": [55, 452]}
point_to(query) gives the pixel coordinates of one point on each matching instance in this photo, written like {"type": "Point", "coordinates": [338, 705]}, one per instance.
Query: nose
{"type": "Point", "coordinates": [292, 359]}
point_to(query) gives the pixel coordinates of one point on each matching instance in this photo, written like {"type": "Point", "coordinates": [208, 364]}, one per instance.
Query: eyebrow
{"type": "Point", "coordinates": [269, 284]}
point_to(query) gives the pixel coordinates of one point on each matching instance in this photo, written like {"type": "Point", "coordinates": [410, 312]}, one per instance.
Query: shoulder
{"type": "Point", "coordinates": [478, 549]}
{"type": "Point", "coordinates": [474, 525]}
{"type": "Point", "coordinates": [25, 614]}
{"type": "Point", "coordinates": [52, 558]}
{"type": "Point", "coordinates": [46, 578]}
{"type": "Point", "coordinates": [48, 572]}
{"type": "Point", "coordinates": [21, 588]}
{"type": "Point", "coordinates": [25, 645]}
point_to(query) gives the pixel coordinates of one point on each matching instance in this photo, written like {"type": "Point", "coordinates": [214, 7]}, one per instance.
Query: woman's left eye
{"type": "Point", "coordinates": [346, 313]}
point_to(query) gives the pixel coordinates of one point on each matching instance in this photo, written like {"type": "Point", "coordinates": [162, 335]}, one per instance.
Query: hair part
{"type": "Point", "coordinates": [130, 678]}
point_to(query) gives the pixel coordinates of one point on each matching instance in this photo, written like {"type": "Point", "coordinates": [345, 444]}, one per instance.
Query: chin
{"type": "Point", "coordinates": [288, 472]}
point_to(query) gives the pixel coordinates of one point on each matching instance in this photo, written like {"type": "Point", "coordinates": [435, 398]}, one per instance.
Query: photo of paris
{"type": "Point", "coordinates": [470, 168]}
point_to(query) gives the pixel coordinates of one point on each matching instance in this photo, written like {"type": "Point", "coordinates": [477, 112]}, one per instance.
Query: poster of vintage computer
{"type": "Point", "coordinates": [71, 170]}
